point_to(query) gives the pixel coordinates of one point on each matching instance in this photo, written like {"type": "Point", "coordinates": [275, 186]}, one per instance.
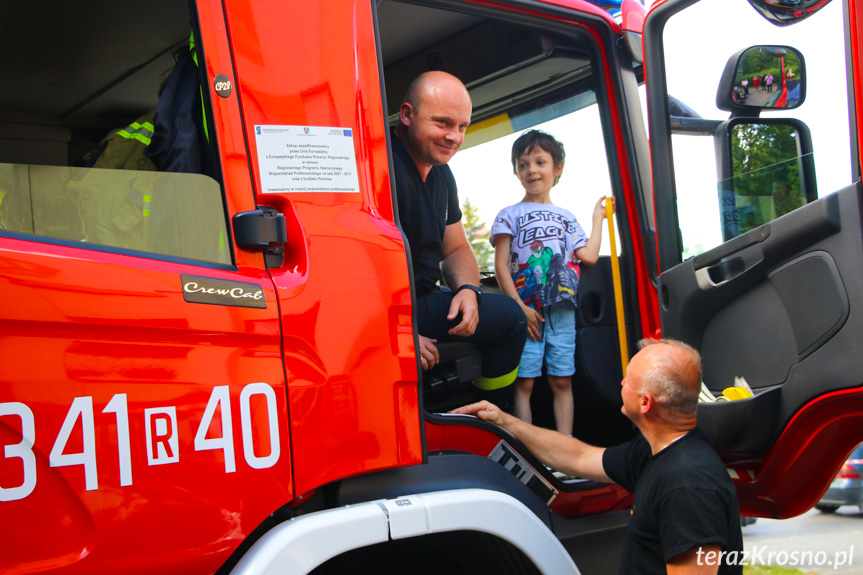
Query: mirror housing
{"type": "Point", "coordinates": [787, 12]}
{"type": "Point", "coordinates": [762, 78]}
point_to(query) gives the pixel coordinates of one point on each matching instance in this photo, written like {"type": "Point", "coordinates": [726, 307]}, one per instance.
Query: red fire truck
{"type": "Point", "coordinates": [207, 340]}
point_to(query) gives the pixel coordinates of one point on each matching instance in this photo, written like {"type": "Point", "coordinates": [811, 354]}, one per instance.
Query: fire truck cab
{"type": "Point", "coordinates": [207, 336]}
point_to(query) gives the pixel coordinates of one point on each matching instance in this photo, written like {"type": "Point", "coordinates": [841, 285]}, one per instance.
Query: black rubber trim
{"type": "Point", "coordinates": [114, 250]}
{"type": "Point", "coordinates": [471, 421]}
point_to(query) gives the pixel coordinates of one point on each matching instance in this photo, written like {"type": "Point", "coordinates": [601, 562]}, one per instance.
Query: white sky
{"type": "Point", "coordinates": [698, 43]}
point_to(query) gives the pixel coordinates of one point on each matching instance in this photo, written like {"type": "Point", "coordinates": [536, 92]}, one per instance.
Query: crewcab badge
{"type": "Point", "coordinates": [198, 289]}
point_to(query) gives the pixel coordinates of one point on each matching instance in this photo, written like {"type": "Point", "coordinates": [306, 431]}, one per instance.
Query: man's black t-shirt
{"type": "Point", "coordinates": [683, 499]}
{"type": "Point", "coordinates": [426, 208]}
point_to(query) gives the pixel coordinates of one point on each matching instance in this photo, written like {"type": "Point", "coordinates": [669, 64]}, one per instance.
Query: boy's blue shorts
{"type": "Point", "coordinates": [557, 345]}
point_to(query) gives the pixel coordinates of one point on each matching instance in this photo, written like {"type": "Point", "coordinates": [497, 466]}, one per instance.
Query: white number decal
{"type": "Point", "coordinates": [162, 435]}
{"type": "Point", "coordinates": [119, 406]}
{"type": "Point", "coordinates": [163, 442]}
{"type": "Point", "coordinates": [82, 407]}
{"type": "Point", "coordinates": [219, 398]}
{"type": "Point", "coordinates": [253, 460]}
{"type": "Point", "coordinates": [22, 450]}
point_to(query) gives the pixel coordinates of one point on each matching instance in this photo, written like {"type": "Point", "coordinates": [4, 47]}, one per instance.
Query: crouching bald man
{"type": "Point", "coordinates": [685, 514]}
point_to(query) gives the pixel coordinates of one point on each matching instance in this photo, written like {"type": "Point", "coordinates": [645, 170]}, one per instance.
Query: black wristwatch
{"type": "Point", "coordinates": [474, 289]}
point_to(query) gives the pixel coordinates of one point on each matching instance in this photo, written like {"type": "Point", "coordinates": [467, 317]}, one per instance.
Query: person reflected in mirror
{"type": "Point", "coordinates": [551, 243]}
{"type": "Point", "coordinates": [432, 122]}
{"type": "Point", "coordinates": [685, 509]}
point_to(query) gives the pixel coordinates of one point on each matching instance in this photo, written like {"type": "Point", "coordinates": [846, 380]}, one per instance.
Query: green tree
{"type": "Point", "coordinates": [477, 234]}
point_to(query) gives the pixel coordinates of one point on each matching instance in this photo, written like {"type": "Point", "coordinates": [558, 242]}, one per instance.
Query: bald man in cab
{"type": "Point", "coordinates": [432, 123]}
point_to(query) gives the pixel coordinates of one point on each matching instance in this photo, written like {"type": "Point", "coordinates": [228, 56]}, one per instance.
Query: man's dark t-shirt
{"type": "Point", "coordinates": [683, 499]}
{"type": "Point", "coordinates": [426, 208]}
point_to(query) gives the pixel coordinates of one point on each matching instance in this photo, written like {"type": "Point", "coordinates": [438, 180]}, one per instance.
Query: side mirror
{"type": "Point", "coordinates": [787, 12]}
{"type": "Point", "coordinates": [762, 78]}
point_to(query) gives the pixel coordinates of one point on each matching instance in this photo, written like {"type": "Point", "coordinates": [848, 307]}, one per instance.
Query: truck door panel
{"type": "Point", "coordinates": [344, 288]}
{"type": "Point", "coordinates": [789, 305]}
{"type": "Point", "coordinates": [778, 305]}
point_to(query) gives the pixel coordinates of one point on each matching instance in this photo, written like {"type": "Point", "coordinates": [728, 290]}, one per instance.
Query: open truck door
{"type": "Point", "coordinates": [759, 266]}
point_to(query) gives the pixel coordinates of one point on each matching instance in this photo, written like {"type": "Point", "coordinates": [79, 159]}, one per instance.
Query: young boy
{"type": "Point", "coordinates": [537, 246]}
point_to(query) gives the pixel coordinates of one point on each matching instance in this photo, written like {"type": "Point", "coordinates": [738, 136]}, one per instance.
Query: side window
{"type": "Point", "coordinates": [769, 176]}
{"type": "Point", "coordinates": [120, 157]}
{"type": "Point", "coordinates": [770, 171]}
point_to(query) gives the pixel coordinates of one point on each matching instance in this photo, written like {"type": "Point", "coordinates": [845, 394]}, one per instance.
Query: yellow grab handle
{"type": "Point", "coordinates": [618, 293]}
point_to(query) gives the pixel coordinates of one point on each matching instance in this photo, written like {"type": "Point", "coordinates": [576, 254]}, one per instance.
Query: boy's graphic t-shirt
{"type": "Point", "coordinates": [542, 259]}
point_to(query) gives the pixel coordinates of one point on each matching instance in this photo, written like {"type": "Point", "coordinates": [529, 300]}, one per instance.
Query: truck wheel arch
{"type": "Point", "coordinates": [300, 545]}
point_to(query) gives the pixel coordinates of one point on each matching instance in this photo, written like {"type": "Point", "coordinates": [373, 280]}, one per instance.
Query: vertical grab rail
{"type": "Point", "coordinates": [618, 293]}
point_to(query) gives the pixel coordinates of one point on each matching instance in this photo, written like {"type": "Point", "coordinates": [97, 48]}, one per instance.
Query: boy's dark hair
{"type": "Point", "coordinates": [533, 139]}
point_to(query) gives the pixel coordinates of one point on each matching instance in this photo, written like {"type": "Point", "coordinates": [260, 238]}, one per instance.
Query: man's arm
{"type": "Point", "coordinates": [702, 560]}
{"type": "Point", "coordinates": [459, 267]}
{"type": "Point", "coordinates": [552, 448]}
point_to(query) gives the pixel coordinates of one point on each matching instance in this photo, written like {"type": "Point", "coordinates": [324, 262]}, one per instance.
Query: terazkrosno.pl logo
{"type": "Point", "coordinates": [762, 555]}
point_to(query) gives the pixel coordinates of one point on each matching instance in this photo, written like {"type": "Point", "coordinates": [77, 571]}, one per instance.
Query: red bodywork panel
{"type": "Point", "coordinates": [135, 358]}
{"type": "Point", "coordinates": [136, 454]}
{"type": "Point", "coordinates": [791, 478]}
{"type": "Point", "coordinates": [856, 29]}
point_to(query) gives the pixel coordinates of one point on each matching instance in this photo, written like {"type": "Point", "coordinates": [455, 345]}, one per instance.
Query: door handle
{"type": "Point", "coordinates": [714, 276]}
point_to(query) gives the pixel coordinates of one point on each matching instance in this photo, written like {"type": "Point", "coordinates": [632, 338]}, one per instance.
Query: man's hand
{"type": "Point", "coordinates": [428, 353]}
{"type": "Point", "coordinates": [464, 303]}
{"type": "Point", "coordinates": [458, 265]}
{"type": "Point", "coordinates": [484, 410]}
{"type": "Point", "coordinates": [554, 449]}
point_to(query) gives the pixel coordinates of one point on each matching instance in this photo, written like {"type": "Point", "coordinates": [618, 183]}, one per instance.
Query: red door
{"type": "Point", "coordinates": [311, 96]}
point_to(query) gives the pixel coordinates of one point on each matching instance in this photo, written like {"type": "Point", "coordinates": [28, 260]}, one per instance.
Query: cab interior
{"type": "Point", "coordinates": [519, 76]}
{"type": "Point", "coordinates": [74, 85]}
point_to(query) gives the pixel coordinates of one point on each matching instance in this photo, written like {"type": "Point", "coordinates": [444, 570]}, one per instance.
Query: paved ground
{"type": "Point", "coordinates": [833, 540]}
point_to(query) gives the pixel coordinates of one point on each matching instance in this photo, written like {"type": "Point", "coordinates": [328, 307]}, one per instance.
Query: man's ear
{"type": "Point", "coordinates": [406, 112]}
{"type": "Point", "coordinates": [646, 403]}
